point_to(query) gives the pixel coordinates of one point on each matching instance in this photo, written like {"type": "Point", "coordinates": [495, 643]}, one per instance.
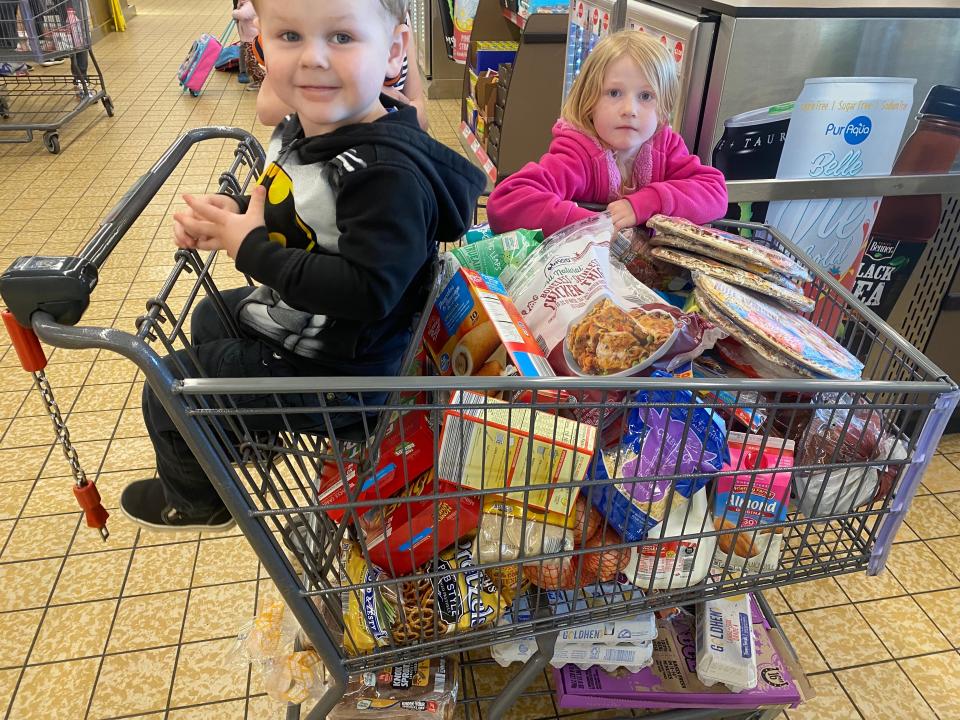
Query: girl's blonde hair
{"type": "Point", "coordinates": [647, 52]}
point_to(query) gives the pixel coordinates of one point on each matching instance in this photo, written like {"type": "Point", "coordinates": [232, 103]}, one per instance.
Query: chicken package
{"type": "Point", "coordinates": [593, 318]}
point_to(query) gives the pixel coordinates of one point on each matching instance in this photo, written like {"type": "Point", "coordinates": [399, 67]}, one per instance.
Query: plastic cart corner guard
{"type": "Point", "coordinates": [923, 453]}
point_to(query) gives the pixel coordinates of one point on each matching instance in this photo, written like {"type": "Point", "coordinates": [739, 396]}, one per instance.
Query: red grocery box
{"type": "Point", "coordinates": [406, 540]}
{"type": "Point", "coordinates": [406, 453]}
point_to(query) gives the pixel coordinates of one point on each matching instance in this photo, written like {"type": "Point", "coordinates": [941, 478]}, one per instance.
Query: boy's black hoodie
{"type": "Point", "coordinates": [350, 284]}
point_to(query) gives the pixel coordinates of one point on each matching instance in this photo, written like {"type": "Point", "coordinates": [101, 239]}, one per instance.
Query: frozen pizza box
{"type": "Point", "coordinates": [671, 680]}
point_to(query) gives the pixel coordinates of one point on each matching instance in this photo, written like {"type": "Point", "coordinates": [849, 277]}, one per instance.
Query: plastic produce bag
{"type": "Point", "coordinates": [267, 642]}
{"type": "Point", "coordinates": [504, 535]}
{"type": "Point", "coordinates": [837, 435]}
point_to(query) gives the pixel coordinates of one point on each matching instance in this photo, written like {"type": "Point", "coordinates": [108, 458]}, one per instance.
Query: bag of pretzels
{"type": "Point", "coordinates": [462, 598]}
{"type": "Point", "coordinates": [417, 609]}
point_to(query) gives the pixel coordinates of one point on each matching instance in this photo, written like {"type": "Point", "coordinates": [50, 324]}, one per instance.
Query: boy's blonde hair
{"type": "Point", "coordinates": [647, 52]}
{"type": "Point", "coordinates": [397, 9]}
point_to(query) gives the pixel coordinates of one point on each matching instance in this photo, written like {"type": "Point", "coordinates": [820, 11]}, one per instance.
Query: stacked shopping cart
{"type": "Point", "coordinates": [42, 99]}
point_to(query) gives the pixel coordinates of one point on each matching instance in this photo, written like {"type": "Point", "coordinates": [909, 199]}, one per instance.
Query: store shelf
{"type": "Point", "coordinates": [476, 153]}
{"type": "Point", "coordinates": [519, 20]}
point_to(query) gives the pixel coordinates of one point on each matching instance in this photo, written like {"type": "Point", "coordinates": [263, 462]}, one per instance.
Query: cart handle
{"type": "Point", "coordinates": [129, 208]}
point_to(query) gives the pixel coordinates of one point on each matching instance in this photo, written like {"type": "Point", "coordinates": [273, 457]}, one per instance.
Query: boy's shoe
{"type": "Point", "coordinates": [144, 504]}
{"type": "Point", "coordinates": [50, 63]}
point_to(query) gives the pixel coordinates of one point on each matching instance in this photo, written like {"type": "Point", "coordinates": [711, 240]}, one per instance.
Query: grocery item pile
{"type": "Point", "coordinates": [506, 508]}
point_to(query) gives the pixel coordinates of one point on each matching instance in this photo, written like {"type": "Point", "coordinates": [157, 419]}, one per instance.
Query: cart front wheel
{"type": "Point", "coordinates": [194, 93]}
{"type": "Point", "coordinates": [108, 106]}
{"type": "Point", "coordinates": [51, 141]}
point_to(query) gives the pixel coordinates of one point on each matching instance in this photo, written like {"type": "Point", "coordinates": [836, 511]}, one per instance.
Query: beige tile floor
{"type": "Point", "coordinates": [141, 626]}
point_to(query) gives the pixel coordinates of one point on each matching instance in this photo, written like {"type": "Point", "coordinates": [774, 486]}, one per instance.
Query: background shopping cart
{"type": "Point", "coordinates": [270, 482]}
{"type": "Point", "coordinates": [43, 101]}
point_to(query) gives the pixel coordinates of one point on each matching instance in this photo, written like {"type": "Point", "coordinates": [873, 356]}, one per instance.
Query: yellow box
{"type": "Point", "coordinates": [492, 447]}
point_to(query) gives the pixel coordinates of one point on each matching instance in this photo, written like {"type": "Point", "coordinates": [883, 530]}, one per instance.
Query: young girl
{"type": "Point", "coordinates": [613, 145]}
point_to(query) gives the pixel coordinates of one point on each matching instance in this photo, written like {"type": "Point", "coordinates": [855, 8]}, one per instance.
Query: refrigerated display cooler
{"type": "Point", "coordinates": [737, 56]}
{"type": "Point", "coordinates": [590, 22]}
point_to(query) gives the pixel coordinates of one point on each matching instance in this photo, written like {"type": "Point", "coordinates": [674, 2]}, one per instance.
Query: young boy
{"type": "Point", "coordinates": [341, 235]}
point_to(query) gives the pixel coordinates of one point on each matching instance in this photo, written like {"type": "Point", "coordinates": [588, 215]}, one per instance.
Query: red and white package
{"type": "Point", "coordinates": [592, 317]}
{"type": "Point", "coordinates": [402, 537]}
{"type": "Point", "coordinates": [406, 453]}
{"type": "Point", "coordinates": [588, 313]}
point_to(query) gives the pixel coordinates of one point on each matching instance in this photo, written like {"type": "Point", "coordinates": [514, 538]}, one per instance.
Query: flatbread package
{"type": "Point", "coordinates": [793, 299]}
{"type": "Point", "coordinates": [770, 355]}
{"type": "Point", "coordinates": [792, 335]}
{"type": "Point", "coordinates": [424, 690]}
{"type": "Point", "coordinates": [711, 239]}
{"type": "Point", "coordinates": [730, 259]}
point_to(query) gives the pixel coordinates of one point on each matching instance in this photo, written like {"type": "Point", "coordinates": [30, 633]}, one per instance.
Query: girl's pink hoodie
{"type": "Point", "coordinates": [577, 168]}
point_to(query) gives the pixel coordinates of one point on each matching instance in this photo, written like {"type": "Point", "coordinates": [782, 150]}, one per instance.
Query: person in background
{"type": "Point", "coordinates": [613, 145]}
{"type": "Point", "coordinates": [405, 87]}
{"type": "Point", "coordinates": [248, 30]}
{"type": "Point", "coordinates": [341, 233]}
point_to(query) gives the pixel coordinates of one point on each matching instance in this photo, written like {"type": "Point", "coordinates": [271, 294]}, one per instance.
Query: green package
{"type": "Point", "coordinates": [478, 233]}
{"type": "Point", "coordinates": [494, 255]}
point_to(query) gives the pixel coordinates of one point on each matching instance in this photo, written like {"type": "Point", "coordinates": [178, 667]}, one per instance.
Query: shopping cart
{"type": "Point", "coordinates": [35, 100]}
{"type": "Point", "coordinates": [269, 480]}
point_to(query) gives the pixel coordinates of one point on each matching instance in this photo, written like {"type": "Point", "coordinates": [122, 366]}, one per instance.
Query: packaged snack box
{"type": "Point", "coordinates": [475, 329]}
{"type": "Point", "coordinates": [402, 537]}
{"type": "Point", "coordinates": [489, 447]}
{"type": "Point", "coordinates": [406, 453]}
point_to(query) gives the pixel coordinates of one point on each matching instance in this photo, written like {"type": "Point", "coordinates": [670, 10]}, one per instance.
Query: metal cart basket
{"type": "Point", "coordinates": [41, 101]}
{"type": "Point", "coordinates": [272, 445]}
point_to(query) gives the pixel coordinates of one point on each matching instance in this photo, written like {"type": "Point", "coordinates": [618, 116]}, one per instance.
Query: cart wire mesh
{"type": "Point", "coordinates": [510, 500]}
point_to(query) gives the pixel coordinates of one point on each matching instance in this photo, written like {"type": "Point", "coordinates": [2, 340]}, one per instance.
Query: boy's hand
{"type": "Point", "coordinates": [215, 228]}
{"type": "Point", "coordinates": [622, 214]}
{"type": "Point", "coordinates": [181, 238]}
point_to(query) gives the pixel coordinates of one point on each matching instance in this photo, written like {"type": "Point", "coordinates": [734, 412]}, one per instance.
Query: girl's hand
{"type": "Point", "coordinates": [622, 213]}
{"type": "Point", "coordinates": [216, 228]}
{"type": "Point", "coordinates": [183, 239]}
